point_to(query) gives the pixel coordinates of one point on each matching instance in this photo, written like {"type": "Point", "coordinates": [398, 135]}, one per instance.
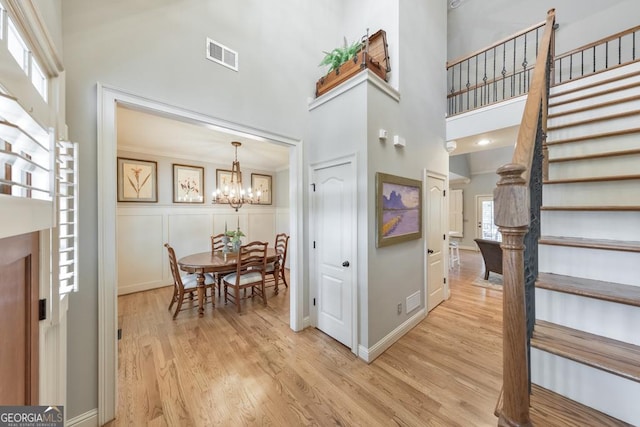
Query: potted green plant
{"type": "Point", "coordinates": [348, 60]}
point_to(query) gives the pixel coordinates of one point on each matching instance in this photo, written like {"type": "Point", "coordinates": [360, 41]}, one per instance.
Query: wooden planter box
{"type": "Point", "coordinates": [373, 56]}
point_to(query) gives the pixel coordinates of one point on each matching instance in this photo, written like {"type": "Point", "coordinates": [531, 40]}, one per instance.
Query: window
{"type": "Point", "coordinates": [67, 177]}
{"type": "Point", "coordinates": [39, 80]}
{"type": "Point", "coordinates": [17, 46]}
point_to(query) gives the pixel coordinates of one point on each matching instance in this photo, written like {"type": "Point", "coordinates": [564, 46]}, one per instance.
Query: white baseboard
{"type": "Point", "coordinates": [139, 287]}
{"type": "Point", "coordinates": [468, 248]}
{"type": "Point", "coordinates": [371, 353]}
{"type": "Point", "coordinates": [306, 322]}
{"type": "Point", "coordinates": [88, 419]}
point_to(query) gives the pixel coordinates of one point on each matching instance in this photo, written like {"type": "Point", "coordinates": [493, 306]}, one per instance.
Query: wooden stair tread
{"type": "Point", "coordinates": [603, 353]}
{"type": "Point", "coordinates": [554, 410]}
{"type": "Point", "coordinates": [595, 120]}
{"type": "Point", "coordinates": [590, 85]}
{"type": "Point", "coordinates": [596, 156]}
{"type": "Point", "coordinates": [592, 95]}
{"type": "Point", "coordinates": [579, 242]}
{"type": "Point", "coordinates": [594, 106]}
{"type": "Point", "coordinates": [592, 179]}
{"type": "Point", "coordinates": [595, 136]}
{"type": "Point", "coordinates": [606, 291]}
{"type": "Point", "coordinates": [591, 208]}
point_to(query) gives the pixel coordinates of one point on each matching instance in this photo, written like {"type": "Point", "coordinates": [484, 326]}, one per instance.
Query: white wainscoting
{"type": "Point", "coordinates": [143, 230]}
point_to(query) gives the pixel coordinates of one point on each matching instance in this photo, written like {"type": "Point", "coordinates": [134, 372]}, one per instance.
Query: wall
{"type": "Point", "coordinates": [459, 164]}
{"type": "Point", "coordinates": [143, 228]}
{"type": "Point", "coordinates": [581, 21]}
{"type": "Point", "coordinates": [155, 49]}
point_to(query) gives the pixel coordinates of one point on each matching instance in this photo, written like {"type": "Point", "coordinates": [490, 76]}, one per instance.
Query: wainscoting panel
{"type": "Point", "coordinates": [140, 251]}
{"type": "Point", "coordinates": [143, 230]}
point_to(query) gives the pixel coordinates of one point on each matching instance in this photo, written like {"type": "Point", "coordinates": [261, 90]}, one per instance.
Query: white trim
{"type": "Point", "coordinates": [468, 248]}
{"type": "Point", "coordinates": [108, 98]}
{"type": "Point", "coordinates": [371, 353]}
{"type": "Point", "coordinates": [306, 322]}
{"type": "Point", "coordinates": [88, 419]}
{"type": "Point", "coordinates": [352, 160]}
{"type": "Point", "coordinates": [365, 76]}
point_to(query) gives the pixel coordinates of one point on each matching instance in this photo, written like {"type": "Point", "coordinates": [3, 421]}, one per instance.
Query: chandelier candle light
{"type": "Point", "coordinates": [232, 192]}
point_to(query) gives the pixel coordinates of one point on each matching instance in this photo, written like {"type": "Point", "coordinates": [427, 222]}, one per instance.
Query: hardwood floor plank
{"type": "Point", "coordinates": [230, 369]}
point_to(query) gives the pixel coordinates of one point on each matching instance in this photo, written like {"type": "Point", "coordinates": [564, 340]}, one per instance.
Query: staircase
{"type": "Point", "coordinates": [586, 342]}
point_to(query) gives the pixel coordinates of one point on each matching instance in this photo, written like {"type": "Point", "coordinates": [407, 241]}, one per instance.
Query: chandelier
{"type": "Point", "coordinates": [231, 192]}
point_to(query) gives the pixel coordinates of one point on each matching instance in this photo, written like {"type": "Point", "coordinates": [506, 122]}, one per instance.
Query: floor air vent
{"type": "Point", "coordinates": [221, 54]}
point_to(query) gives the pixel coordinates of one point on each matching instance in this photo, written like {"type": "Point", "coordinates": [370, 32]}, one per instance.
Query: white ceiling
{"type": "Point", "coordinates": [144, 132]}
{"type": "Point", "coordinates": [505, 137]}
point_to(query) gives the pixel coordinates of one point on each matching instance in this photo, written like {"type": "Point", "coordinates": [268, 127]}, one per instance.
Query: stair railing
{"type": "Point", "coordinates": [610, 52]}
{"type": "Point", "coordinates": [494, 74]}
{"type": "Point", "coordinates": [513, 213]}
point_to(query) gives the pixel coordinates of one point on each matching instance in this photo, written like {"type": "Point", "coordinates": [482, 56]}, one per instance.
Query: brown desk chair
{"type": "Point", "coordinates": [184, 284]}
{"type": "Point", "coordinates": [250, 273]}
{"type": "Point", "coordinates": [281, 245]}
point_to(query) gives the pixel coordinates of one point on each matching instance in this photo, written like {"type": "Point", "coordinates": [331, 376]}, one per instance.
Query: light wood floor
{"type": "Point", "coordinates": [227, 369]}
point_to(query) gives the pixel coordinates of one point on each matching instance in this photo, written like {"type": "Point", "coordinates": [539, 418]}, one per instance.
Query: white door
{"type": "Point", "coordinates": [486, 228]}
{"type": "Point", "coordinates": [334, 231]}
{"type": "Point", "coordinates": [435, 241]}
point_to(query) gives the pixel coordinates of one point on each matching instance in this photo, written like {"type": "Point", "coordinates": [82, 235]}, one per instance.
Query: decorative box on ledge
{"type": "Point", "coordinates": [374, 56]}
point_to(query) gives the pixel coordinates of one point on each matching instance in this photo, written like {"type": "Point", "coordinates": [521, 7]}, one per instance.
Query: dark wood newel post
{"type": "Point", "coordinates": [511, 200]}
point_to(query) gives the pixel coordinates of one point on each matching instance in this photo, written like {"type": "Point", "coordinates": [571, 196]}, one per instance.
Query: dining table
{"type": "Point", "coordinates": [217, 262]}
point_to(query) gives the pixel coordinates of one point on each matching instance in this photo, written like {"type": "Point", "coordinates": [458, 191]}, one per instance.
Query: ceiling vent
{"type": "Point", "coordinates": [221, 54]}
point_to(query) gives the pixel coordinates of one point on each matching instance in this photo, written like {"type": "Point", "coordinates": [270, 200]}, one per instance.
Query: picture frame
{"type": "Point", "coordinates": [223, 177]}
{"type": "Point", "coordinates": [398, 209]}
{"type": "Point", "coordinates": [188, 184]}
{"type": "Point", "coordinates": [260, 182]}
{"type": "Point", "coordinates": [137, 180]}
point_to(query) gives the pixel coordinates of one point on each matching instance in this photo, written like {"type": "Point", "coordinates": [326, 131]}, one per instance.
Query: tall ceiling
{"type": "Point", "coordinates": [149, 133]}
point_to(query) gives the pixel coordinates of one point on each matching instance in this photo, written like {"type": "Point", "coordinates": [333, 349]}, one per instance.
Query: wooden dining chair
{"type": "Point", "coordinates": [281, 246]}
{"type": "Point", "coordinates": [250, 273]}
{"type": "Point", "coordinates": [184, 284]}
{"type": "Point", "coordinates": [217, 245]}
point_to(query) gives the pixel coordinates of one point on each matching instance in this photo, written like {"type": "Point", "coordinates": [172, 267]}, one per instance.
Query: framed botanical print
{"type": "Point", "coordinates": [188, 184]}
{"type": "Point", "coordinates": [223, 178]}
{"type": "Point", "coordinates": [262, 183]}
{"type": "Point", "coordinates": [137, 180]}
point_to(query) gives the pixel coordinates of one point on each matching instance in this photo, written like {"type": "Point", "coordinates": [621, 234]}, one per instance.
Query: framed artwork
{"type": "Point", "coordinates": [137, 180]}
{"type": "Point", "coordinates": [398, 209]}
{"type": "Point", "coordinates": [262, 183]}
{"type": "Point", "coordinates": [188, 184]}
{"type": "Point", "coordinates": [223, 178]}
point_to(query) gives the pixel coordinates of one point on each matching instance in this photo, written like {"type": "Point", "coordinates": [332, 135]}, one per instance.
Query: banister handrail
{"type": "Point", "coordinates": [523, 152]}
{"type": "Point", "coordinates": [495, 44]}
{"type": "Point", "coordinates": [597, 42]}
{"type": "Point", "coordinates": [513, 217]}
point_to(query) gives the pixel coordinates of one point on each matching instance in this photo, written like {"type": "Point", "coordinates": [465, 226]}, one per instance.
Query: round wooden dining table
{"type": "Point", "coordinates": [217, 262]}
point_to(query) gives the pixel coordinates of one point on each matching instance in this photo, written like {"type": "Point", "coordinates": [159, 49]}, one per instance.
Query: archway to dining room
{"type": "Point", "coordinates": [165, 137]}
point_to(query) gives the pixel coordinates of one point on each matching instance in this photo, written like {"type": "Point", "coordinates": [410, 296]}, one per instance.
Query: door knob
{"type": "Point", "coordinates": [345, 264]}
{"type": "Point", "coordinates": [429, 251]}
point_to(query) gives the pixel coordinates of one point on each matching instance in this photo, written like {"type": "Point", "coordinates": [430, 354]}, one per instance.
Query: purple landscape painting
{"type": "Point", "coordinates": [400, 209]}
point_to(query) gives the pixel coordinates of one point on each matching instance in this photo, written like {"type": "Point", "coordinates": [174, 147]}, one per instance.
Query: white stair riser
{"type": "Point", "coordinates": [606, 193]}
{"type": "Point", "coordinates": [598, 317]}
{"type": "Point", "coordinates": [595, 146]}
{"type": "Point", "coordinates": [608, 110]}
{"type": "Point", "coordinates": [609, 225]}
{"type": "Point", "coordinates": [598, 97]}
{"type": "Point", "coordinates": [592, 387]}
{"type": "Point", "coordinates": [594, 78]}
{"type": "Point", "coordinates": [586, 130]}
{"type": "Point", "coordinates": [604, 166]}
{"type": "Point", "coordinates": [597, 264]}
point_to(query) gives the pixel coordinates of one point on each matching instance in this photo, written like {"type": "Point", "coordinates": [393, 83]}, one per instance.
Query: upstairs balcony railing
{"type": "Point", "coordinates": [610, 52]}
{"type": "Point", "coordinates": [494, 74]}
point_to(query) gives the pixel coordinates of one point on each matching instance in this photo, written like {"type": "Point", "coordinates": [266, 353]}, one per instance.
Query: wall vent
{"type": "Point", "coordinates": [221, 54]}
{"type": "Point", "coordinates": [413, 301]}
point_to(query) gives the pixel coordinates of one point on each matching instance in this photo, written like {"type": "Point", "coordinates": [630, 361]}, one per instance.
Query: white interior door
{"type": "Point", "coordinates": [334, 215]}
{"type": "Point", "coordinates": [435, 241]}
